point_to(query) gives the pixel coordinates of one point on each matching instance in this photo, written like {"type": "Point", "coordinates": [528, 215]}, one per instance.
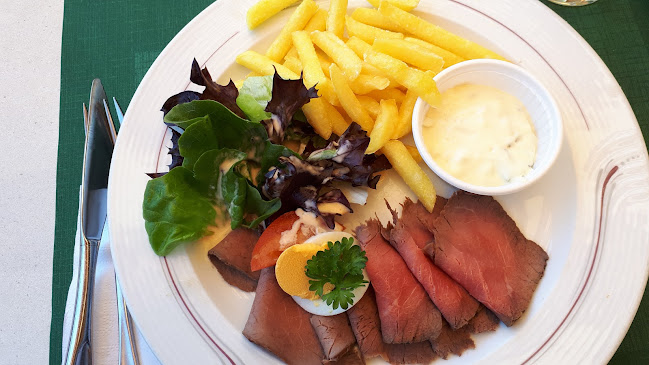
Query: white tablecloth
{"type": "Point", "coordinates": [30, 64]}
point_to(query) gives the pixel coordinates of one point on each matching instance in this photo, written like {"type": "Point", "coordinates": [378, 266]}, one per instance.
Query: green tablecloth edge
{"type": "Point", "coordinates": [120, 45]}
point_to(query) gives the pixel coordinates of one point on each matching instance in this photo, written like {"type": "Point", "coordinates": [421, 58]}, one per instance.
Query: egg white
{"type": "Point", "coordinates": [318, 306]}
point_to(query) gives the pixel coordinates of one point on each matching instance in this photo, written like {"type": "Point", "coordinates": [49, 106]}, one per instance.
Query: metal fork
{"type": "Point", "coordinates": [127, 346]}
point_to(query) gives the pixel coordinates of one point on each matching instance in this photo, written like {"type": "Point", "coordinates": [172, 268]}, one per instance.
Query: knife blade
{"type": "Point", "coordinates": [100, 140]}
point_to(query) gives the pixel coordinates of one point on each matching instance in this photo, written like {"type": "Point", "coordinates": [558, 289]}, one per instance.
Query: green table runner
{"type": "Point", "coordinates": [118, 41]}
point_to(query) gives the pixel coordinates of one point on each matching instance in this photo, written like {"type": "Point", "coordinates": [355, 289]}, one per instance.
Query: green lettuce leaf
{"type": "Point", "coordinates": [212, 165]}
{"type": "Point", "coordinates": [243, 199]}
{"type": "Point", "coordinates": [186, 114]}
{"type": "Point", "coordinates": [254, 95]}
{"type": "Point", "coordinates": [176, 210]}
{"type": "Point", "coordinates": [224, 158]}
{"type": "Point", "coordinates": [219, 128]}
{"type": "Point", "coordinates": [234, 189]}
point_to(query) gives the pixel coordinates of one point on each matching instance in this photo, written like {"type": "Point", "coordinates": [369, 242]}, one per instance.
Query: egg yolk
{"type": "Point", "coordinates": [291, 273]}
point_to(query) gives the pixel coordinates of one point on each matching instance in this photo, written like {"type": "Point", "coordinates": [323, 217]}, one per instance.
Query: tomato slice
{"type": "Point", "coordinates": [268, 248]}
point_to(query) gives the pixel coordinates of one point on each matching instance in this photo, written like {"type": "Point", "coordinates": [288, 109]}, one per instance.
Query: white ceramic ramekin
{"type": "Point", "coordinates": [517, 82]}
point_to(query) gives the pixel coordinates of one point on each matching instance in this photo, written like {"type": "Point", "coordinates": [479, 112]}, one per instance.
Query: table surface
{"type": "Point", "coordinates": [45, 75]}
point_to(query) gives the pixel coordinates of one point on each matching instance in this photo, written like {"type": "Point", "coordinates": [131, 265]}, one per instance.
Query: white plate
{"type": "Point", "coordinates": [589, 212]}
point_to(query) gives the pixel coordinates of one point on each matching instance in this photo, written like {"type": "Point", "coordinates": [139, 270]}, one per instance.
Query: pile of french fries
{"type": "Point", "coordinates": [368, 67]}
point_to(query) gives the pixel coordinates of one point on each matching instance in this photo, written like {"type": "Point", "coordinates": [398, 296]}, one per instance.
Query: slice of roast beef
{"type": "Point", "coordinates": [483, 321]}
{"type": "Point", "coordinates": [407, 313]}
{"type": "Point", "coordinates": [455, 304]}
{"type": "Point", "coordinates": [411, 353]}
{"type": "Point", "coordinates": [279, 325]}
{"type": "Point", "coordinates": [481, 248]}
{"type": "Point", "coordinates": [366, 326]}
{"type": "Point", "coordinates": [426, 218]}
{"type": "Point", "coordinates": [335, 335]}
{"type": "Point", "coordinates": [232, 255]}
{"type": "Point", "coordinates": [411, 215]}
{"type": "Point", "coordinates": [233, 276]}
{"type": "Point", "coordinates": [365, 322]}
{"type": "Point", "coordinates": [452, 341]}
{"type": "Point", "coordinates": [352, 357]}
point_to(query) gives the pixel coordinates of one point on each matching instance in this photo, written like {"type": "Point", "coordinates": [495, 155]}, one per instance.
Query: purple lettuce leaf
{"type": "Point", "coordinates": [224, 94]}
{"type": "Point", "coordinates": [298, 183]}
{"type": "Point", "coordinates": [288, 97]}
{"type": "Point", "coordinates": [331, 204]}
{"type": "Point", "coordinates": [180, 98]}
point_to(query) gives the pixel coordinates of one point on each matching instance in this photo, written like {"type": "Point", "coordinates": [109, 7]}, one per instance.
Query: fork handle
{"type": "Point", "coordinates": [79, 351]}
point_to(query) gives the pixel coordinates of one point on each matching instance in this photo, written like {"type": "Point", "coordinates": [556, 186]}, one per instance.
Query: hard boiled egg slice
{"type": "Point", "coordinates": [291, 275]}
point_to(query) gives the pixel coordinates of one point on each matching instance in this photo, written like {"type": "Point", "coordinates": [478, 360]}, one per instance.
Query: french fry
{"type": "Point", "coordinates": [336, 17]}
{"type": "Point", "coordinates": [374, 18]}
{"type": "Point", "coordinates": [298, 20]}
{"type": "Point", "coordinates": [325, 62]}
{"type": "Point", "coordinates": [338, 51]}
{"type": "Point", "coordinates": [294, 65]}
{"type": "Point", "coordinates": [368, 33]}
{"type": "Point", "coordinates": [406, 166]}
{"type": "Point", "coordinates": [371, 70]}
{"type": "Point", "coordinates": [264, 66]}
{"type": "Point", "coordinates": [366, 83]}
{"type": "Point", "coordinates": [449, 58]}
{"type": "Point", "coordinates": [348, 100]}
{"type": "Point", "coordinates": [414, 152]}
{"type": "Point", "coordinates": [370, 104]}
{"type": "Point", "coordinates": [265, 9]}
{"type": "Point", "coordinates": [404, 124]}
{"type": "Point", "coordinates": [359, 46]}
{"type": "Point", "coordinates": [391, 93]}
{"type": "Point", "coordinates": [291, 53]}
{"type": "Point", "coordinates": [436, 35]}
{"type": "Point", "coordinates": [406, 5]}
{"type": "Point", "coordinates": [338, 123]}
{"type": "Point", "coordinates": [384, 126]}
{"type": "Point", "coordinates": [313, 73]}
{"type": "Point", "coordinates": [423, 85]}
{"type": "Point", "coordinates": [319, 116]}
{"type": "Point", "coordinates": [317, 22]}
{"type": "Point", "coordinates": [344, 114]}
{"type": "Point", "coordinates": [335, 116]}
{"type": "Point", "coordinates": [409, 53]}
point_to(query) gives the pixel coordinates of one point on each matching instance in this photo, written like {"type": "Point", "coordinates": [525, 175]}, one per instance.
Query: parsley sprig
{"type": "Point", "coordinates": [341, 265]}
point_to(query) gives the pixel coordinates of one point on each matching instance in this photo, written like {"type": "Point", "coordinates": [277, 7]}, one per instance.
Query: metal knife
{"type": "Point", "coordinates": [100, 140]}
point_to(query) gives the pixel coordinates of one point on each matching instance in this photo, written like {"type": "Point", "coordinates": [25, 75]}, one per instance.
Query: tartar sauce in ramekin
{"type": "Point", "coordinates": [481, 135]}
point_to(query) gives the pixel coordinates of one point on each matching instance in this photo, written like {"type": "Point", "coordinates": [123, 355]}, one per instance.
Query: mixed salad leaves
{"type": "Point", "coordinates": [229, 158]}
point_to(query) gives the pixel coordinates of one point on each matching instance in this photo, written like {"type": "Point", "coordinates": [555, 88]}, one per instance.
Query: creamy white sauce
{"type": "Point", "coordinates": [481, 135]}
{"type": "Point", "coordinates": [307, 223]}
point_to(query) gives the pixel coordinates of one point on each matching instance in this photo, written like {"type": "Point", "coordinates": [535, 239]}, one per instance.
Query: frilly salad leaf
{"type": "Point", "coordinates": [254, 94]}
{"type": "Point", "coordinates": [342, 160]}
{"type": "Point", "coordinates": [180, 98]}
{"type": "Point", "coordinates": [176, 210]}
{"type": "Point", "coordinates": [224, 94]}
{"type": "Point", "coordinates": [288, 96]}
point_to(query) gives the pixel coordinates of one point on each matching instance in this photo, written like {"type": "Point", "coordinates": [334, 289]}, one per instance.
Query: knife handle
{"type": "Point", "coordinates": [79, 351]}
